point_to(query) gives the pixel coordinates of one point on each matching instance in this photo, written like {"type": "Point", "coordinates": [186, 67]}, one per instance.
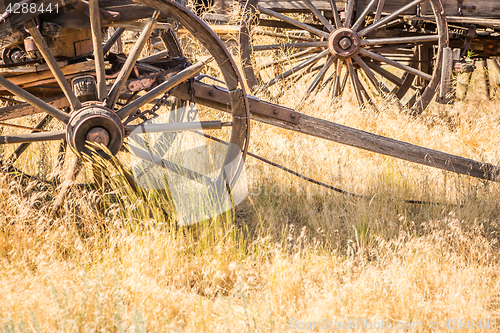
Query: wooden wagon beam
{"type": "Point", "coordinates": [207, 95]}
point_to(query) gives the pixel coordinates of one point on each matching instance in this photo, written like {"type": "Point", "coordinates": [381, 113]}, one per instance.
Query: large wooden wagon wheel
{"type": "Point", "coordinates": [380, 47]}
{"type": "Point", "coordinates": [103, 123]}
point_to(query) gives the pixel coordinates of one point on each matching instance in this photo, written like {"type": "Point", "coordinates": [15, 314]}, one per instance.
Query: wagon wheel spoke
{"type": "Point", "coordinates": [388, 18]}
{"type": "Point", "coordinates": [22, 147]}
{"type": "Point", "coordinates": [33, 100]}
{"type": "Point", "coordinates": [349, 13]}
{"type": "Point", "coordinates": [363, 15]}
{"type": "Point", "coordinates": [33, 137]}
{"type": "Point", "coordinates": [355, 82]}
{"type": "Point", "coordinates": [296, 23]}
{"type": "Point", "coordinates": [290, 46]}
{"type": "Point", "coordinates": [318, 14]}
{"type": "Point", "coordinates": [336, 15]}
{"type": "Point", "coordinates": [371, 75]}
{"type": "Point", "coordinates": [336, 79]}
{"type": "Point", "coordinates": [175, 80]}
{"type": "Point", "coordinates": [294, 57]}
{"type": "Point", "coordinates": [296, 69]}
{"type": "Point", "coordinates": [95, 24]}
{"type": "Point", "coordinates": [52, 64]}
{"type": "Point", "coordinates": [112, 41]}
{"type": "Point", "coordinates": [317, 80]}
{"type": "Point", "coordinates": [117, 87]}
{"type": "Point", "coordinates": [385, 73]}
{"type": "Point", "coordinates": [400, 40]}
{"type": "Point", "coordinates": [396, 64]}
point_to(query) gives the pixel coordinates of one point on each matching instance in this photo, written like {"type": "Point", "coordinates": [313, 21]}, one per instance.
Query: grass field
{"type": "Point", "coordinates": [291, 253]}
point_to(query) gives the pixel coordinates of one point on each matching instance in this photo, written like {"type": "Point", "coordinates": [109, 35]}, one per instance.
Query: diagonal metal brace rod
{"type": "Point", "coordinates": [350, 136]}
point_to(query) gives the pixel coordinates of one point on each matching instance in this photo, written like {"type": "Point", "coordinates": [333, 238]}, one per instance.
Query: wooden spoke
{"type": "Point", "coordinates": [317, 80]}
{"type": "Point", "coordinates": [349, 11]}
{"type": "Point", "coordinates": [33, 137]}
{"type": "Point", "coordinates": [318, 14]}
{"type": "Point", "coordinates": [321, 74]}
{"type": "Point", "coordinates": [33, 100]}
{"type": "Point", "coordinates": [336, 16]}
{"type": "Point", "coordinates": [363, 15]}
{"type": "Point", "coordinates": [22, 148]}
{"type": "Point", "coordinates": [290, 46]}
{"type": "Point", "coordinates": [400, 40]}
{"type": "Point", "coordinates": [294, 22]}
{"type": "Point", "coordinates": [336, 79]}
{"type": "Point", "coordinates": [344, 82]}
{"type": "Point", "coordinates": [131, 60]}
{"type": "Point", "coordinates": [95, 25]}
{"type": "Point", "coordinates": [162, 88]}
{"type": "Point", "coordinates": [396, 64]}
{"type": "Point", "coordinates": [52, 64]}
{"type": "Point", "coordinates": [296, 68]}
{"type": "Point", "coordinates": [111, 41]}
{"type": "Point", "coordinates": [369, 73]}
{"type": "Point", "coordinates": [378, 15]}
{"type": "Point", "coordinates": [388, 18]}
{"type": "Point", "coordinates": [295, 56]}
{"type": "Point", "coordinates": [259, 31]}
{"type": "Point", "coordinates": [355, 82]}
{"type": "Point", "coordinates": [386, 74]}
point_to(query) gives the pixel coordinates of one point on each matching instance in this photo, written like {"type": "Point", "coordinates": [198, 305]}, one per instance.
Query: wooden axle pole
{"type": "Point", "coordinates": [386, 146]}
{"type": "Point", "coordinates": [350, 136]}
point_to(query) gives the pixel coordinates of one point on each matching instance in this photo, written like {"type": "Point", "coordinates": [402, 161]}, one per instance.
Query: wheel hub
{"type": "Point", "coordinates": [95, 124]}
{"type": "Point", "coordinates": [344, 43]}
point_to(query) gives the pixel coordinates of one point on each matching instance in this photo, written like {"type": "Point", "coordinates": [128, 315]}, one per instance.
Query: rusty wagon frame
{"type": "Point", "coordinates": [79, 92]}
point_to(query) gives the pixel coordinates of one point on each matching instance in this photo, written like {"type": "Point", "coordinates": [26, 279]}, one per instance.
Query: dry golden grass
{"type": "Point", "coordinates": [114, 261]}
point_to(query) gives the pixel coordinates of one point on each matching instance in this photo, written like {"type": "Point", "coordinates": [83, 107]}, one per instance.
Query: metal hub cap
{"type": "Point", "coordinates": [344, 43]}
{"type": "Point", "coordinates": [95, 124]}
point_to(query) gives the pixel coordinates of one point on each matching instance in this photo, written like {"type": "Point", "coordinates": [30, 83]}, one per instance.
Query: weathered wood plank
{"type": "Point", "coordinates": [12, 71]}
{"type": "Point", "coordinates": [25, 109]}
{"type": "Point", "coordinates": [70, 69]}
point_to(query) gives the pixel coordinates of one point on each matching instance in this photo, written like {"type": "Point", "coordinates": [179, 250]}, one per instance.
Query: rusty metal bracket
{"type": "Point", "coordinates": [218, 97]}
{"type": "Point", "coordinates": [461, 7]}
{"type": "Point", "coordinates": [471, 34]}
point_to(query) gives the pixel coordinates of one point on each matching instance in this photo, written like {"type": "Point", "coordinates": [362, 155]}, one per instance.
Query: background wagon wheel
{"type": "Point", "coordinates": [395, 47]}
{"type": "Point", "coordinates": [105, 120]}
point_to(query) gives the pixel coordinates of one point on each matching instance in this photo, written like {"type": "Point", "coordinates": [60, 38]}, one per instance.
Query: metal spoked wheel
{"type": "Point", "coordinates": [111, 121]}
{"type": "Point", "coordinates": [376, 48]}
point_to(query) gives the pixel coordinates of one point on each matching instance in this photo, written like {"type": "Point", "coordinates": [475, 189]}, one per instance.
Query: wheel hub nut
{"type": "Point", "coordinates": [345, 43]}
{"type": "Point", "coordinates": [98, 135]}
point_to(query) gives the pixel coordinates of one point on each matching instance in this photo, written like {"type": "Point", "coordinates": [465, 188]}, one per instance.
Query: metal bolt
{"type": "Point", "coordinates": [98, 135]}
{"type": "Point", "coordinates": [292, 115]}
{"type": "Point", "coordinates": [211, 93]}
{"type": "Point", "coordinates": [275, 111]}
{"type": "Point", "coordinates": [345, 43]}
